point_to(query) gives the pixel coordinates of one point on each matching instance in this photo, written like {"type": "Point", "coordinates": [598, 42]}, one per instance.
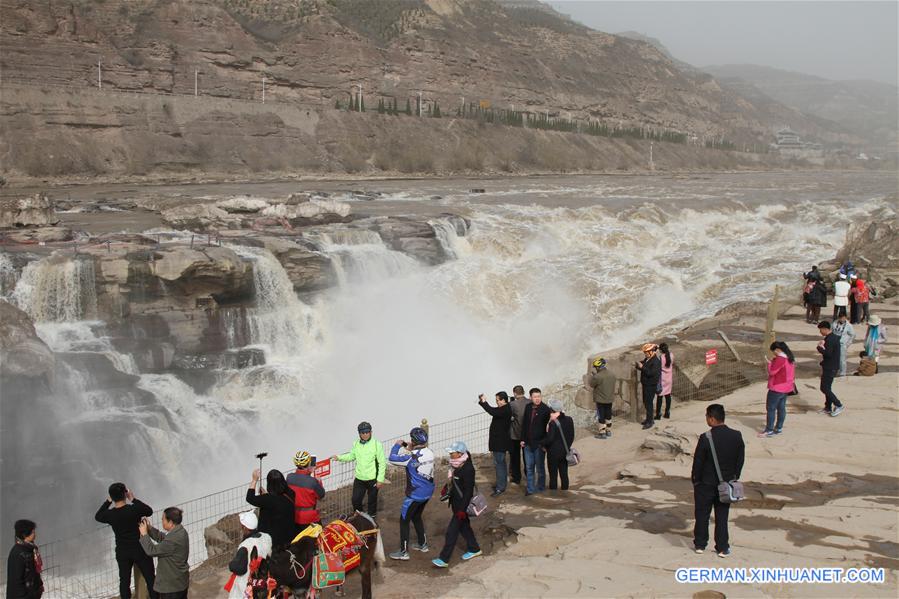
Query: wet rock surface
{"type": "Point", "coordinates": [22, 353]}
{"type": "Point", "coordinates": [34, 210]}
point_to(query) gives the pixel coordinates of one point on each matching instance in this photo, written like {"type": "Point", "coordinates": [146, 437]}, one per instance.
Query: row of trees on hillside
{"type": "Point", "coordinates": [527, 119]}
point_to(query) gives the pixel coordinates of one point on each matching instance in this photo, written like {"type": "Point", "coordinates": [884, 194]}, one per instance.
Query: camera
{"type": "Point", "coordinates": [259, 456]}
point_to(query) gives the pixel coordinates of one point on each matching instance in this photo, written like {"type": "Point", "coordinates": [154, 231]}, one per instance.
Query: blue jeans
{"type": "Point", "coordinates": [534, 459]}
{"type": "Point", "coordinates": [776, 403]}
{"type": "Point", "coordinates": [502, 471]}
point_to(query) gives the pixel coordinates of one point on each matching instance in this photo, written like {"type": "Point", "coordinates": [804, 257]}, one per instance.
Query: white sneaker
{"type": "Point", "coordinates": [837, 411]}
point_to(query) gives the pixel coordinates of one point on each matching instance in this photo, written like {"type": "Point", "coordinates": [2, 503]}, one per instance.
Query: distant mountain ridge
{"type": "Point", "coordinates": [866, 107]}
{"type": "Point", "coordinates": [315, 55]}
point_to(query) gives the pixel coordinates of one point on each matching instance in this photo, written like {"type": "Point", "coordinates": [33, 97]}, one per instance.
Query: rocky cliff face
{"type": "Point", "coordinates": [184, 302]}
{"type": "Point", "coordinates": [311, 54]}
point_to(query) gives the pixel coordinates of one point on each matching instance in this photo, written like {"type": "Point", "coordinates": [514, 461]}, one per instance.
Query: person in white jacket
{"type": "Point", "coordinates": [846, 333]}
{"type": "Point", "coordinates": [840, 296]}
{"type": "Point", "coordinates": [255, 544]}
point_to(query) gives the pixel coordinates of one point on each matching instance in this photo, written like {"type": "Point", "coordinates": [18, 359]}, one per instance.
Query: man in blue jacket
{"type": "Point", "coordinates": [419, 463]}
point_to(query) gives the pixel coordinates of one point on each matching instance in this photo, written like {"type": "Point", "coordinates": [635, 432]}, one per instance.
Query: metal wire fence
{"type": "Point", "coordinates": [85, 567]}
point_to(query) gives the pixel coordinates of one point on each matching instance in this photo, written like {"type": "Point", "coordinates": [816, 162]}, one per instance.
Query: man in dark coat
{"type": "Point", "coordinates": [533, 432]}
{"type": "Point", "coordinates": [559, 439]}
{"type": "Point", "coordinates": [817, 299]}
{"type": "Point", "coordinates": [650, 368]}
{"type": "Point", "coordinates": [23, 566]}
{"type": "Point", "coordinates": [730, 449]}
{"type": "Point", "coordinates": [499, 440]}
{"type": "Point", "coordinates": [124, 518]}
{"type": "Point", "coordinates": [829, 348]}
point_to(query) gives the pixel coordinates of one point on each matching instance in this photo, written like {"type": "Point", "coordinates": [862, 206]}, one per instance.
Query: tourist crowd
{"type": "Point", "coordinates": [527, 437]}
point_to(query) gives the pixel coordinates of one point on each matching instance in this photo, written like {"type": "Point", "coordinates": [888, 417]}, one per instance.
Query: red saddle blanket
{"type": "Point", "coordinates": [342, 538]}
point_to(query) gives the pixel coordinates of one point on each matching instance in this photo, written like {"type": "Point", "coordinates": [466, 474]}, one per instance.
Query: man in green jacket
{"type": "Point", "coordinates": [171, 550]}
{"type": "Point", "coordinates": [371, 468]}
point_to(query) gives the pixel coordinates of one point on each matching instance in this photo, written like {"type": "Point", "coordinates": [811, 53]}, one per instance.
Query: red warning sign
{"type": "Point", "coordinates": [322, 469]}
{"type": "Point", "coordinates": [711, 357]}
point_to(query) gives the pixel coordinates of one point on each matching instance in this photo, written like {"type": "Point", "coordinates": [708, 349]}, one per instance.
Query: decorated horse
{"type": "Point", "coordinates": [319, 558]}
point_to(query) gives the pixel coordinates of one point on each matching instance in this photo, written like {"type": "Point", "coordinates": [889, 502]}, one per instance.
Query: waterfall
{"type": "Point", "coordinates": [282, 324]}
{"type": "Point", "coordinates": [360, 255]}
{"type": "Point", "coordinates": [8, 275]}
{"type": "Point", "coordinates": [451, 232]}
{"type": "Point", "coordinates": [57, 289]}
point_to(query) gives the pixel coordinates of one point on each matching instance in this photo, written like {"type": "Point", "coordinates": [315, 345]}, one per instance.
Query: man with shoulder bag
{"type": "Point", "coordinates": [717, 464]}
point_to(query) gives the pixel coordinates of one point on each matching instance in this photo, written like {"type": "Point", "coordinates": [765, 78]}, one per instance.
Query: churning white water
{"type": "Point", "coordinates": [528, 292]}
{"type": "Point", "coordinates": [360, 255]}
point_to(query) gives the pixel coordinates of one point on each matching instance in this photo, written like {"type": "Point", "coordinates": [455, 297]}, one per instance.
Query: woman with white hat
{"type": "Point", "coordinates": [875, 337]}
{"type": "Point", "coordinates": [255, 544]}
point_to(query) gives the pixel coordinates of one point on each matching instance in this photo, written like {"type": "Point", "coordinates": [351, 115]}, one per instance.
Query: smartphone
{"type": "Point", "coordinates": [313, 462]}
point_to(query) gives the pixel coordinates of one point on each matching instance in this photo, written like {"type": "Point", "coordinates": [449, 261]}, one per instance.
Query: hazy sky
{"type": "Point", "coordinates": [835, 40]}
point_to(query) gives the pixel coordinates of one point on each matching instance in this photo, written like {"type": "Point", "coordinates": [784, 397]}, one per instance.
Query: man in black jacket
{"type": "Point", "coordinates": [461, 490]}
{"type": "Point", "coordinates": [650, 374]}
{"type": "Point", "coordinates": [23, 567]}
{"type": "Point", "coordinates": [730, 450]}
{"type": "Point", "coordinates": [125, 519]}
{"type": "Point", "coordinates": [499, 440]}
{"type": "Point", "coordinates": [830, 349]}
{"type": "Point", "coordinates": [533, 432]}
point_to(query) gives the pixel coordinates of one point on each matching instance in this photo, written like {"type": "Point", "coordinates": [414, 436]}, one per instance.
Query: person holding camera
{"type": "Point", "coordinates": [419, 463]}
{"type": "Point", "coordinates": [125, 519]}
{"type": "Point", "coordinates": [307, 490]}
{"type": "Point", "coordinates": [276, 507]}
{"type": "Point", "coordinates": [371, 468]}
{"type": "Point", "coordinates": [499, 441]}
{"type": "Point", "coordinates": [24, 565]}
{"type": "Point", "coordinates": [171, 550]}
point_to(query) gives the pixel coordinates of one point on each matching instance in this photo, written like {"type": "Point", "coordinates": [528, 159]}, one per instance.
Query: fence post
{"type": "Point", "coordinates": [140, 585]}
{"type": "Point", "coordinates": [770, 335]}
{"type": "Point", "coordinates": [632, 391]}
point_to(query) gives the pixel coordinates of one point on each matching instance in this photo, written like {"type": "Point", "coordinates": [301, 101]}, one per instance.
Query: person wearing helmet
{"type": "Point", "coordinates": [371, 468]}
{"type": "Point", "coordinates": [419, 463]}
{"type": "Point", "coordinates": [650, 368]}
{"type": "Point", "coordinates": [460, 490]}
{"type": "Point", "coordinates": [307, 491]}
{"type": "Point", "coordinates": [603, 383]}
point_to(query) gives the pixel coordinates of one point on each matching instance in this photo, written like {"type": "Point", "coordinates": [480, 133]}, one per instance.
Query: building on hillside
{"type": "Point", "coordinates": [789, 145]}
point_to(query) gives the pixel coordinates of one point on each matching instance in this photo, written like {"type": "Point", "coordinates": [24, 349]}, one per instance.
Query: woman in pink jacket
{"type": "Point", "coordinates": [666, 382]}
{"type": "Point", "coordinates": [781, 379]}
